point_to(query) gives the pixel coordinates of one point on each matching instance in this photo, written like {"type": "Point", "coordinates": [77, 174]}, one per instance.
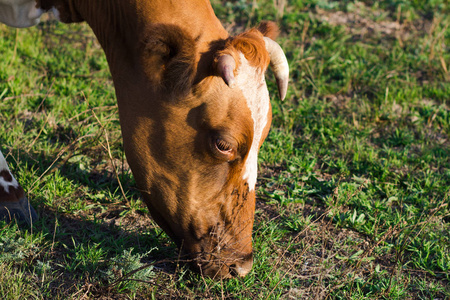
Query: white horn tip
{"type": "Point", "coordinates": [282, 84]}
{"type": "Point", "coordinates": [279, 64]}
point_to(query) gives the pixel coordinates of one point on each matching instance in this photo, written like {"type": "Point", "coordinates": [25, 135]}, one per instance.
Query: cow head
{"type": "Point", "coordinates": [194, 110]}
{"type": "Point", "coordinates": [202, 141]}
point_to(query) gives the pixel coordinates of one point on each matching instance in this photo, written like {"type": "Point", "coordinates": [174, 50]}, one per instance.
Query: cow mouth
{"type": "Point", "coordinates": [223, 267]}
{"type": "Point", "coordinates": [222, 250]}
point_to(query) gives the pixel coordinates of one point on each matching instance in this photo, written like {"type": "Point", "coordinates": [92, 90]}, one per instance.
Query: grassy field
{"type": "Point", "coordinates": [354, 182]}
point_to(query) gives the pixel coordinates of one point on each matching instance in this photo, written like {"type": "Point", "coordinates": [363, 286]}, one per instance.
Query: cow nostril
{"type": "Point", "coordinates": [242, 267]}
{"type": "Point", "coordinates": [233, 271]}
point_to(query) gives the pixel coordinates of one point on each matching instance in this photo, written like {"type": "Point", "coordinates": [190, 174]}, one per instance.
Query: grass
{"type": "Point", "coordinates": [354, 181]}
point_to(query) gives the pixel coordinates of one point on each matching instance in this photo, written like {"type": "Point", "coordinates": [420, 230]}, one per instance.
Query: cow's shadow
{"type": "Point", "coordinates": [68, 234]}
{"type": "Point", "coordinates": [70, 238]}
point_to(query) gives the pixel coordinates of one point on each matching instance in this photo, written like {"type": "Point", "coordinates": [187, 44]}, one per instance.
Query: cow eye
{"type": "Point", "coordinates": [223, 148]}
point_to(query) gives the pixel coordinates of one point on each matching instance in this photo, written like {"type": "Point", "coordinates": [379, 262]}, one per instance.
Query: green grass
{"type": "Point", "coordinates": [354, 181]}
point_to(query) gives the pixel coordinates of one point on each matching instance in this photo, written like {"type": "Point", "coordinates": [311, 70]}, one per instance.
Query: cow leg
{"type": "Point", "coordinates": [13, 202]}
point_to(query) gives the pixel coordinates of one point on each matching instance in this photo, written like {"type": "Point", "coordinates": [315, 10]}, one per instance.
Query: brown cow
{"type": "Point", "coordinates": [194, 110]}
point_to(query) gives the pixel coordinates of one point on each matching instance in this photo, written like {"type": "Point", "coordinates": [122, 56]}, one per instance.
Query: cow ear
{"type": "Point", "coordinates": [168, 58]}
{"type": "Point", "coordinates": [269, 29]}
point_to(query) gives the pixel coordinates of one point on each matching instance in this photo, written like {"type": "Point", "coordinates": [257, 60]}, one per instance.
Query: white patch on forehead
{"type": "Point", "coordinates": [19, 13]}
{"type": "Point", "coordinates": [3, 183]}
{"type": "Point", "coordinates": [250, 80]}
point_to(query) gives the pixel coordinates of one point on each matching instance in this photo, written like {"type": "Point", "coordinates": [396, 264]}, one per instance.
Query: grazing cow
{"type": "Point", "coordinates": [194, 110]}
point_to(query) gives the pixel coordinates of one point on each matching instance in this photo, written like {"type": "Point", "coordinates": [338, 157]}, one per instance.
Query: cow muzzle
{"type": "Point", "coordinates": [221, 252]}
{"type": "Point", "coordinates": [217, 266]}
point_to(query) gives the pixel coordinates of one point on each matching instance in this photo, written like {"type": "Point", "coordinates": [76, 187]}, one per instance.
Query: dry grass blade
{"type": "Point", "coordinates": [108, 149]}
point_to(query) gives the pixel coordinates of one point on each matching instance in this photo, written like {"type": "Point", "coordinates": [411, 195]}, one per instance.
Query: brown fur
{"type": "Point", "coordinates": [269, 29]}
{"type": "Point", "coordinates": [6, 175]}
{"type": "Point", "coordinates": [13, 194]}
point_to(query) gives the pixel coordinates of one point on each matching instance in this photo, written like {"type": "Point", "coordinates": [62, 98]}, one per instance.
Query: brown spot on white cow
{"type": "Point", "coordinates": [6, 175]}
{"type": "Point", "coordinates": [10, 190]}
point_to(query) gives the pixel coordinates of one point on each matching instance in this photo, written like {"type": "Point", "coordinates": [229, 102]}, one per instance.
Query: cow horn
{"type": "Point", "coordinates": [279, 64]}
{"type": "Point", "coordinates": [225, 66]}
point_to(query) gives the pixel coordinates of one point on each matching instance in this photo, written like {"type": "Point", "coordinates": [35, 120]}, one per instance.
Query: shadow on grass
{"type": "Point", "coordinates": [81, 244]}
{"type": "Point", "coordinates": [101, 252]}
